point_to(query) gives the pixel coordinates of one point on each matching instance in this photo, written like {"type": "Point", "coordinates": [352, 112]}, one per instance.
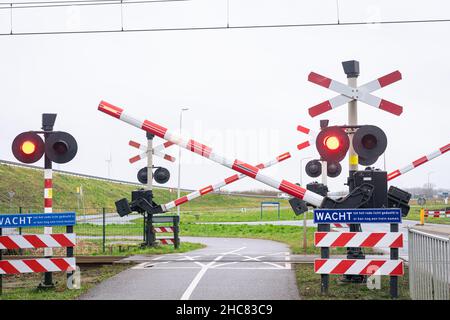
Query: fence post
{"type": "Point", "coordinates": [176, 233]}
{"type": "Point", "coordinates": [20, 231]}
{"type": "Point", "coordinates": [20, 228]}
{"type": "Point", "coordinates": [104, 229]}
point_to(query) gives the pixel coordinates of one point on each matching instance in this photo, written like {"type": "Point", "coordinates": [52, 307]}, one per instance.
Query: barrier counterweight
{"type": "Point", "coordinates": [207, 152]}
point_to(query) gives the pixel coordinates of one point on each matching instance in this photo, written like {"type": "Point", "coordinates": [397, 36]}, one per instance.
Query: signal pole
{"type": "Point", "coordinates": [351, 69]}
{"type": "Point", "coordinates": [48, 120]}
{"type": "Point", "coordinates": [150, 235]}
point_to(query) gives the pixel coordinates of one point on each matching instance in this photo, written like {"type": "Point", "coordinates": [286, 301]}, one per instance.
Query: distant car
{"type": "Point", "coordinates": [283, 195]}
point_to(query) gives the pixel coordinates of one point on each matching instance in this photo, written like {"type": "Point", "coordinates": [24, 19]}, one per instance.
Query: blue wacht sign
{"type": "Point", "coordinates": [381, 215]}
{"type": "Point", "coordinates": [37, 220]}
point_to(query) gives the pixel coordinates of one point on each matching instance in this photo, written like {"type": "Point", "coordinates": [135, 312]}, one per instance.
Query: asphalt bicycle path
{"type": "Point", "coordinates": [227, 269]}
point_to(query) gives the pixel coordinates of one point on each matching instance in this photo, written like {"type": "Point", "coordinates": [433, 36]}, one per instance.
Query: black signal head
{"type": "Point", "coordinates": [28, 147]}
{"type": "Point", "coordinates": [313, 168]}
{"type": "Point", "coordinates": [369, 143]}
{"type": "Point", "coordinates": [60, 147]}
{"type": "Point", "coordinates": [161, 175]}
{"type": "Point", "coordinates": [332, 144]}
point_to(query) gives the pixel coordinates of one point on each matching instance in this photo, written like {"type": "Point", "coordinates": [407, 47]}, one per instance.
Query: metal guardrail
{"type": "Point", "coordinates": [429, 266]}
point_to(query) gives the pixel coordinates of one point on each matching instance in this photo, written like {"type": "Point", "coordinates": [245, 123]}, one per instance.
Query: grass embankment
{"type": "Point", "coordinates": [28, 184]}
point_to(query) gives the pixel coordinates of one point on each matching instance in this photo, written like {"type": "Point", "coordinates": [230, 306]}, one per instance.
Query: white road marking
{"type": "Point", "coordinates": [187, 294]}
{"type": "Point", "coordinates": [257, 259]}
{"type": "Point", "coordinates": [287, 257]}
{"type": "Point", "coordinates": [146, 265]}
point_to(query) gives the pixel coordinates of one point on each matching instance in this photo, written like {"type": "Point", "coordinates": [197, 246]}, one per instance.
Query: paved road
{"type": "Point", "coordinates": [229, 269]}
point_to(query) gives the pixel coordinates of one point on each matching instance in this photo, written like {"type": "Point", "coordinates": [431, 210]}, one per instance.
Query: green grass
{"type": "Point", "coordinates": [28, 185]}
{"type": "Point", "coordinates": [308, 283]}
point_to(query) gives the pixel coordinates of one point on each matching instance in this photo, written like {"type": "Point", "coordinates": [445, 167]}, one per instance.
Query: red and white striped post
{"type": "Point", "coordinates": [207, 152]}
{"type": "Point", "coordinates": [47, 126]}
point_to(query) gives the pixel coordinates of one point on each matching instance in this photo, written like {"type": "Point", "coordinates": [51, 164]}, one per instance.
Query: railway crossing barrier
{"type": "Point", "coordinates": [34, 241]}
{"type": "Point", "coordinates": [174, 229]}
{"type": "Point", "coordinates": [444, 213]}
{"type": "Point", "coordinates": [325, 239]}
{"type": "Point", "coordinates": [265, 204]}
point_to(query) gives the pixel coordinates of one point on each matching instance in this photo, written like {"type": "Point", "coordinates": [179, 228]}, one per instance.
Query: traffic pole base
{"type": "Point", "coordinates": [45, 286]}
{"type": "Point", "coordinates": [353, 279]}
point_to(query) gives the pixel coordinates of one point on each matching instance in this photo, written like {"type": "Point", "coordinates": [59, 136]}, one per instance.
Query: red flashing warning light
{"type": "Point", "coordinates": [332, 144]}
{"type": "Point", "coordinates": [28, 147]}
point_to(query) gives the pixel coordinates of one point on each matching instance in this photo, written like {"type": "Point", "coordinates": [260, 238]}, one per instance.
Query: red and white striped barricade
{"type": "Point", "coordinates": [35, 241]}
{"type": "Point", "coordinates": [366, 267]}
{"type": "Point", "coordinates": [325, 239]}
{"type": "Point", "coordinates": [173, 229]}
{"type": "Point", "coordinates": [437, 213]}
{"type": "Point", "coordinates": [207, 152]}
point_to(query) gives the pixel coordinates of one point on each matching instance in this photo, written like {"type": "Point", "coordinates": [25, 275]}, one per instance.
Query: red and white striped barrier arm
{"type": "Point", "coordinates": [359, 239]}
{"type": "Point", "coordinates": [359, 266]}
{"type": "Point", "coordinates": [340, 225]}
{"type": "Point", "coordinates": [32, 241]}
{"type": "Point", "coordinates": [437, 214]}
{"type": "Point", "coordinates": [37, 265]}
{"type": "Point", "coordinates": [164, 229]}
{"type": "Point", "coordinates": [207, 152]}
{"type": "Point", "coordinates": [224, 182]}
{"type": "Point", "coordinates": [166, 241]}
{"type": "Point", "coordinates": [418, 162]}
{"type": "Point", "coordinates": [361, 93]}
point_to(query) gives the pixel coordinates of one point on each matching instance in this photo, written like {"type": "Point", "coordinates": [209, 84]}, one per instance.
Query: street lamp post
{"type": "Point", "coordinates": [428, 184]}
{"type": "Point", "coordinates": [179, 158]}
{"type": "Point", "coordinates": [305, 241]}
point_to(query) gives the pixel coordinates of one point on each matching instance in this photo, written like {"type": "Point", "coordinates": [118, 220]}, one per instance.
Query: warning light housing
{"type": "Point", "coordinates": [332, 144]}
{"type": "Point", "coordinates": [369, 143]}
{"type": "Point", "coordinates": [28, 147]}
{"type": "Point", "coordinates": [60, 147]}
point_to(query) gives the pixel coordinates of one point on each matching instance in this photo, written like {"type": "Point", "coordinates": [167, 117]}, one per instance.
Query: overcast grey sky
{"type": "Point", "coordinates": [246, 89]}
